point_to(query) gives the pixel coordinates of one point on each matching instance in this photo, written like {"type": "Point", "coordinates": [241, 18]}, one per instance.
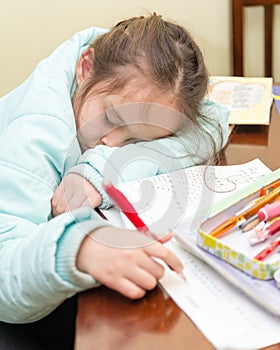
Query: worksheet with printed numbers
{"type": "Point", "coordinates": [225, 315]}
{"type": "Point", "coordinates": [190, 195]}
{"type": "Point", "coordinates": [168, 200]}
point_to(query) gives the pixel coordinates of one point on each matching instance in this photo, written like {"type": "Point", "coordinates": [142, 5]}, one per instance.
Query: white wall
{"type": "Point", "coordinates": [31, 29]}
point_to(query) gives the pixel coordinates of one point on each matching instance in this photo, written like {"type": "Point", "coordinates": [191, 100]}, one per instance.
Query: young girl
{"type": "Point", "coordinates": [94, 98]}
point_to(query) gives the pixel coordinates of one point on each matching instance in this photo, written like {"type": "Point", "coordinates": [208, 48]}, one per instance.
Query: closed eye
{"type": "Point", "coordinates": [135, 140]}
{"type": "Point", "coordinates": [112, 116]}
{"type": "Point", "coordinates": [109, 122]}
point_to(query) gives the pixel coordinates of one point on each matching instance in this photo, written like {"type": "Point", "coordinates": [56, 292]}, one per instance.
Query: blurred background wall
{"type": "Point", "coordinates": [30, 30]}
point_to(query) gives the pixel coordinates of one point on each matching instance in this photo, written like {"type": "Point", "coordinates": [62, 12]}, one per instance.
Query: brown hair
{"type": "Point", "coordinates": [163, 53]}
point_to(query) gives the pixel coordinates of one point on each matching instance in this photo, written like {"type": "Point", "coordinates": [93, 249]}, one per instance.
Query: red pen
{"type": "Point", "coordinates": [268, 250]}
{"type": "Point", "coordinates": [127, 208]}
{"type": "Point", "coordinates": [130, 212]}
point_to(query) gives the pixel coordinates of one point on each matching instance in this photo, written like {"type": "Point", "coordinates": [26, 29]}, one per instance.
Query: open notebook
{"type": "Point", "coordinates": [181, 201]}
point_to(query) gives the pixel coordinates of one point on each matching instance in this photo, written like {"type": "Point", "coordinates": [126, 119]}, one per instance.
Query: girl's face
{"type": "Point", "coordinates": [114, 120]}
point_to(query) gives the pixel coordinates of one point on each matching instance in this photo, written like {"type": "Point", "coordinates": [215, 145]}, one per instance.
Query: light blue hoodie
{"type": "Point", "coordinates": [38, 147]}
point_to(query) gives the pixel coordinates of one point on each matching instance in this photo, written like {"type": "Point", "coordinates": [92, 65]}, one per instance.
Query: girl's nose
{"type": "Point", "coordinates": [114, 138]}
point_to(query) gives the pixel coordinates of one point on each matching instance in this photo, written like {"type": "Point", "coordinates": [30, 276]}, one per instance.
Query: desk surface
{"type": "Point", "coordinates": [106, 320]}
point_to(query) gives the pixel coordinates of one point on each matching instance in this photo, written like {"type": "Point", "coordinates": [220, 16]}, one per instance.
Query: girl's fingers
{"type": "Point", "coordinates": [166, 238]}
{"type": "Point", "coordinates": [153, 267]}
{"type": "Point", "coordinates": [85, 196]}
{"type": "Point", "coordinates": [92, 201]}
{"type": "Point", "coordinates": [75, 201]}
{"type": "Point", "coordinates": [57, 195]}
{"type": "Point", "coordinates": [58, 204]}
{"type": "Point", "coordinates": [133, 283]}
{"type": "Point", "coordinates": [159, 251]}
{"type": "Point", "coordinates": [103, 256]}
{"type": "Point", "coordinates": [74, 192]}
{"type": "Point", "coordinates": [128, 288]}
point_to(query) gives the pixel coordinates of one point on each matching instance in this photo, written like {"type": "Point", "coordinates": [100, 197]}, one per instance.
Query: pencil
{"type": "Point", "coordinates": [251, 223]}
{"type": "Point", "coordinates": [238, 220]}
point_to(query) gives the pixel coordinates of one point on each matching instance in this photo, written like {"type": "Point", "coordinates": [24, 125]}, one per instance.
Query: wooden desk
{"type": "Point", "coordinates": [106, 320]}
{"type": "Point", "coordinates": [250, 142]}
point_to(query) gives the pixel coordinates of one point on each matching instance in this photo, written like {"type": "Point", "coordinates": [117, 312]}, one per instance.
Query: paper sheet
{"type": "Point", "coordinates": [167, 201]}
{"type": "Point", "coordinates": [226, 316]}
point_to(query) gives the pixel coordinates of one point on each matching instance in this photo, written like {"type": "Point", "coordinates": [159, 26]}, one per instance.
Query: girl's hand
{"type": "Point", "coordinates": [123, 260]}
{"type": "Point", "coordinates": [74, 192]}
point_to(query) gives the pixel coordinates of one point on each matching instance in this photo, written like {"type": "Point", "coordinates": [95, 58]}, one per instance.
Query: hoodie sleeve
{"type": "Point", "coordinates": [144, 159]}
{"type": "Point", "coordinates": [37, 253]}
{"type": "Point", "coordinates": [37, 132]}
{"type": "Point", "coordinates": [38, 270]}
